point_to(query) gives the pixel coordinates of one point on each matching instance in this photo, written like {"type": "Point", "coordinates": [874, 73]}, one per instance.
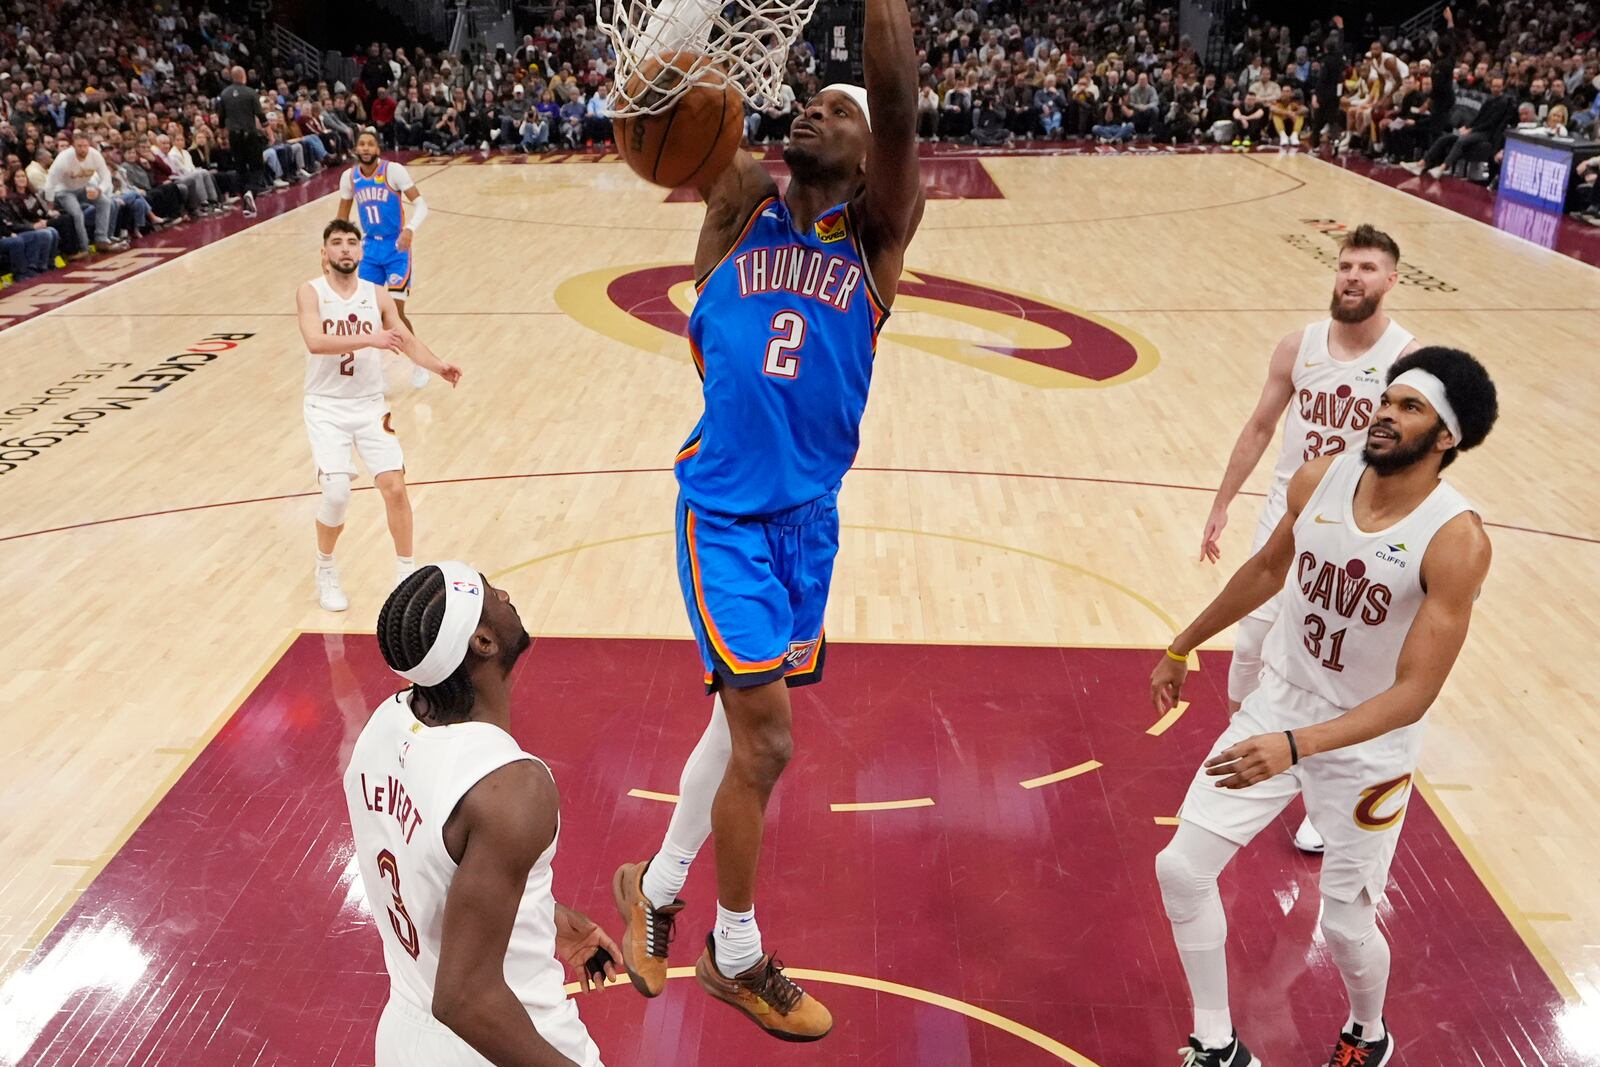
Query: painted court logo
{"type": "Point", "coordinates": [1028, 339]}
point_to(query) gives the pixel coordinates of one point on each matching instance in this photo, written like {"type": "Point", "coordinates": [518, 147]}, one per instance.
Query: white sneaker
{"type": "Point", "coordinates": [1306, 838]}
{"type": "Point", "coordinates": [419, 377]}
{"type": "Point", "coordinates": [279, 183]}
{"type": "Point", "coordinates": [1436, 172]}
{"type": "Point", "coordinates": [1412, 168]}
{"type": "Point", "coordinates": [329, 595]}
{"type": "Point", "coordinates": [302, 175]}
{"type": "Point", "coordinates": [1283, 140]}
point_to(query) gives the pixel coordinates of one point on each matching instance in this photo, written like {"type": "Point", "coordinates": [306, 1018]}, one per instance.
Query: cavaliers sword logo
{"type": "Point", "coordinates": [1370, 813]}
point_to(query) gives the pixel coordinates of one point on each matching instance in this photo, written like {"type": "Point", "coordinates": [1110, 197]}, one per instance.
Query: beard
{"type": "Point", "coordinates": [514, 650]}
{"type": "Point", "coordinates": [344, 268]}
{"type": "Point", "coordinates": [1404, 455]}
{"type": "Point", "coordinates": [1360, 313]}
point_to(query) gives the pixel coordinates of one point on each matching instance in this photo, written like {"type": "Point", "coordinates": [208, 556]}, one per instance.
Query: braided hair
{"type": "Point", "coordinates": [407, 627]}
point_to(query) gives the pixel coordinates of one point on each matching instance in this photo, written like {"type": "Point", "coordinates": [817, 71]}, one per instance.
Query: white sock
{"type": "Point", "coordinates": [691, 819]}
{"type": "Point", "coordinates": [407, 563]}
{"type": "Point", "coordinates": [325, 562]}
{"type": "Point", "coordinates": [1213, 1028]}
{"type": "Point", "coordinates": [738, 941]}
{"type": "Point", "coordinates": [1361, 953]}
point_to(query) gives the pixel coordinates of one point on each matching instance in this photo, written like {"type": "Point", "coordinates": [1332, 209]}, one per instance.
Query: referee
{"type": "Point", "coordinates": [240, 109]}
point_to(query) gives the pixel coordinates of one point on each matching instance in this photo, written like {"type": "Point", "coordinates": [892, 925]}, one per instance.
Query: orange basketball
{"type": "Point", "coordinates": [694, 139]}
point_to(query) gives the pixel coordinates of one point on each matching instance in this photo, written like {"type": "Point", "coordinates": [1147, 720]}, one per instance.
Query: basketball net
{"type": "Point", "coordinates": [745, 43]}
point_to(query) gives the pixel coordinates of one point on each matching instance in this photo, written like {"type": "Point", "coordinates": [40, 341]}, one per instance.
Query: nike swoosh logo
{"type": "Point", "coordinates": [1308, 366]}
{"type": "Point", "coordinates": [1327, 522]}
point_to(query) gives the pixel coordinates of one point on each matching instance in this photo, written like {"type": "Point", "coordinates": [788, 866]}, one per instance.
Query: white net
{"type": "Point", "coordinates": [665, 47]}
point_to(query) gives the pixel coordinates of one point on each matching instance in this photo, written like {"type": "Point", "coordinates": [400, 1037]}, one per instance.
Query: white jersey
{"type": "Point", "coordinates": [1330, 410]}
{"type": "Point", "coordinates": [357, 374]}
{"type": "Point", "coordinates": [1352, 594]}
{"type": "Point", "coordinates": [403, 782]}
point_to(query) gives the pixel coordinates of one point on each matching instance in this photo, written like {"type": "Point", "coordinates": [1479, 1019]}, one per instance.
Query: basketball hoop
{"type": "Point", "coordinates": [744, 43]}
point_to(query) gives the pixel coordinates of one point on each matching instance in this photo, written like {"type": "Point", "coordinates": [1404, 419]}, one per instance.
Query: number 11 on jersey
{"type": "Point", "coordinates": [789, 328]}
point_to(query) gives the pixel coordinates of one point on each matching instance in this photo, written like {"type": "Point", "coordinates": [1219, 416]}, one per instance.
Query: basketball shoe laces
{"type": "Point", "coordinates": [1349, 1055]}
{"type": "Point", "coordinates": [662, 927]}
{"type": "Point", "coordinates": [776, 988]}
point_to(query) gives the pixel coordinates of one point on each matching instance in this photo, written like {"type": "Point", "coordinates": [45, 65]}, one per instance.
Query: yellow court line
{"type": "Point", "coordinates": [1061, 776]}
{"type": "Point", "coordinates": [884, 805]}
{"type": "Point", "coordinates": [1451, 787]}
{"type": "Point", "coordinates": [1519, 921]}
{"type": "Point", "coordinates": [93, 869]}
{"type": "Point", "coordinates": [645, 794]}
{"type": "Point", "coordinates": [174, 751]}
{"type": "Point", "coordinates": [73, 863]}
{"type": "Point", "coordinates": [1166, 820]}
{"type": "Point", "coordinates": [1033, 1037]}
{"type": "Point", "coordinates": [1164, 723]}
{"type": "Point", "coordinates": [1547, 916]}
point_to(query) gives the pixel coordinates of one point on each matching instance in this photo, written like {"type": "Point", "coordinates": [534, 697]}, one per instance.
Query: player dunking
{"type": "Point", "coordinates": [1323, 382]}
{"type": "Point", "coordinates": [1383, 561]}
{"type": "Point", "coordinates": [455, 829]}
{"type": "Point", "coordinates": [793, 291]}
{"type": "Point", "coordinates": [347, 323]}
{"type": "Point", "coordinates": [375, 187]}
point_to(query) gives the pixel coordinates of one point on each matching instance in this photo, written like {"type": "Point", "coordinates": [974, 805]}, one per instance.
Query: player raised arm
{"type": "Point", "coordinates": [407, 343]}
{"type": "Point", "coordinates": [1453, 571]}
{"type": "Point", "coordinates": [1253, 440]}
{"type": "Point", "coordinates": [504, 824]}
{"type": "Point", "coordinates": [891, 204]}
{"type": "Point", "coordinates": [1258, 580]}
{"type": "Point", "coordinates": [323, 344]}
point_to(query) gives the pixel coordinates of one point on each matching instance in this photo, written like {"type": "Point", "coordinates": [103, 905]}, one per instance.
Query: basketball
{"type": "Point", "coordinates": [693, 139]}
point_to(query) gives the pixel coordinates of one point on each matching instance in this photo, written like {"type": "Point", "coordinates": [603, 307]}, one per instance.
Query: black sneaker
{"type": "Point", "coordinates": [1233, 1055]}
{"type": "Point", "coordinates": [1353, 1050]}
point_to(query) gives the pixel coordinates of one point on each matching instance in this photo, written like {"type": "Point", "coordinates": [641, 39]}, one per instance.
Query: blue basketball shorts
{"type": "Point", "coordinates": [382, 264]}
{"type": "Point", "coordinates": [756, 588]}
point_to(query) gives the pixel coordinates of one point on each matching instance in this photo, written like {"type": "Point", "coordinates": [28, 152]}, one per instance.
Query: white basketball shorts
{"type": "Point", "coordinates": [411, 1037]}
{"type": "Point", "coordinates": [335, 425]}
{"type": "Point", "coordinates": [1356, 796]}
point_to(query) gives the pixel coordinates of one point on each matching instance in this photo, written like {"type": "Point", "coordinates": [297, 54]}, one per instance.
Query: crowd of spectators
{"type": "Point", "coordinates": [121, 117]}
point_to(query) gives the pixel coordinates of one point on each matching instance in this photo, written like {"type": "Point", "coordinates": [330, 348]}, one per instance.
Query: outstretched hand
{"type": "Point", "coordinates": [578, 940]}
{"type": "Point", "coordinates": [1255, 759]}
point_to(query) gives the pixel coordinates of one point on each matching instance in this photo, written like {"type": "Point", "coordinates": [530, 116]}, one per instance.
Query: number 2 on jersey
{"type": "Point", "coordinates": [347, 365]}
{"type": "Point", "coordinates": [389, 869]}
{"type": "Point", "coordinates": [790, 330]}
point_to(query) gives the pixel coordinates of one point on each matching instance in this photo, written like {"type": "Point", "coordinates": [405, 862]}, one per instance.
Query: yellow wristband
{"type": "Point", "coordinates": [1177, 658]}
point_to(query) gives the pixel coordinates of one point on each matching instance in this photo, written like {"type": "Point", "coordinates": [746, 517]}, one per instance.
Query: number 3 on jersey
{"type": "Point", "coordinates": [789, 328]}
{"type": "Point", "coordinates": [399, 918]}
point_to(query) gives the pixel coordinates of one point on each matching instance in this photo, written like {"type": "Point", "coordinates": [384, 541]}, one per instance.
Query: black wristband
{"type": "Point", "coordinates": [1294, 749]}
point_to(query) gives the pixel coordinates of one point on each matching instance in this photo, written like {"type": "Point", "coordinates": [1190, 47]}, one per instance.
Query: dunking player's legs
{"type": "Point", "coordinates": [758, 723]}
{"type": "Point", "coordinates": [724, 789]}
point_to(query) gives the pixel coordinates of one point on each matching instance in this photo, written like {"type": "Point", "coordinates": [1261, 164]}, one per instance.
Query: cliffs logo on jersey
{"type": "Point", "coordinates": [832, 229]}
{"type": "Point", "coordinates": [802, 271]}
{"type": "Point", "coordinates": [1370, 813]}
{"type": "Point", "coordinates": [1368, 376]}
{"type": "Point", "coordinates": [1338, 410]}
{"type": "Point", "coordinates": [1343, 589]}
{"type": "Point", "coordinates": [1027, 339]}
{"type": "Point", "coordinates": [1393, 555]}
{"type": "Point", "coordinates": [346, 327]}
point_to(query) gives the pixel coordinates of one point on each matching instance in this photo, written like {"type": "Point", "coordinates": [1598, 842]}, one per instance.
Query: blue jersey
{"type": "Point", "coordinates": [783, 334]}
{"type": "Point", "coordinates": [380, 202]}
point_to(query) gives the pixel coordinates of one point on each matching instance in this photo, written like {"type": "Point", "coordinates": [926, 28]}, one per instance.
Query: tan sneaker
{"type": "Point", "coordinates": [646, 929]}
{"type": "Point", "coordinates": [767, 997]}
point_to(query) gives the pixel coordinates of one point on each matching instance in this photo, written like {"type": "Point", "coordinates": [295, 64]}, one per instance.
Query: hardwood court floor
{"type": "Point", "coordinates": [1054, 398]}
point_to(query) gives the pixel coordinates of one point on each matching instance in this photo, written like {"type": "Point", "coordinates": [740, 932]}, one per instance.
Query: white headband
{"type": "Point", "coordinates": [463, 607]}
{"type": "Point", "coordinates": [854, 92]}
{"type": "Point", "coordinates": [1432, 390]}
